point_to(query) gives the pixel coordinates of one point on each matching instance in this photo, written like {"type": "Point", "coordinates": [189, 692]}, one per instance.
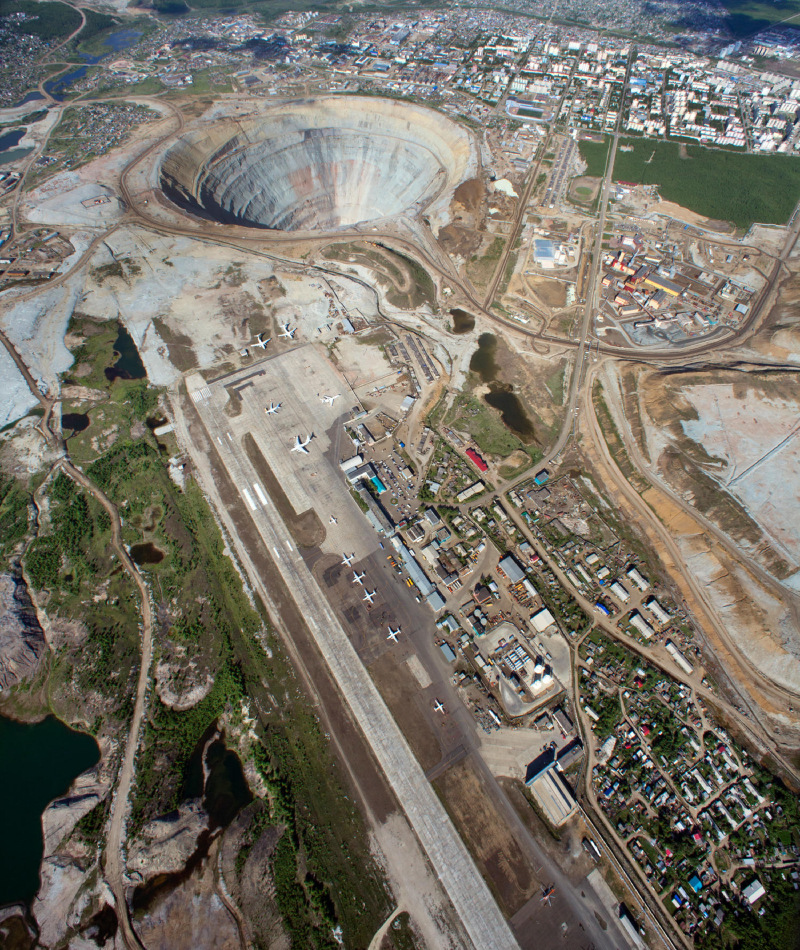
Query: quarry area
{"type": "Point", "coordinates": [399, 502]}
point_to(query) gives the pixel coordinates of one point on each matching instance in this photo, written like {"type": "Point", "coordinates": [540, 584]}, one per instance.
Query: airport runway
{"type": "Point", "coordinates": [449, 857]}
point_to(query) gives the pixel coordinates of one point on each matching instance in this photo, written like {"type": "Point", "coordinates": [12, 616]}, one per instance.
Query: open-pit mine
{"type": "Point", "coordinates": [404, 502]}
{"type": "Point", "coordinates": [316, 165]}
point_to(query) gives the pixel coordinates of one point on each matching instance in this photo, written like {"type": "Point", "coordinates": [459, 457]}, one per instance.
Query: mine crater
{"type": "Point", "coordinates": [316, 165]}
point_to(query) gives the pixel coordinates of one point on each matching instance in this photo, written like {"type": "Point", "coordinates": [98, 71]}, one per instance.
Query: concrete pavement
{"type": "Point", "coordinates": [466, 889]}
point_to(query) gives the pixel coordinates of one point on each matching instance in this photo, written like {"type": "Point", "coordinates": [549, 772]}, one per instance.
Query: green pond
{"type": "Point", "coordinates": [482, 361]}
{"type": "Point", "coordinates": [40, 761]}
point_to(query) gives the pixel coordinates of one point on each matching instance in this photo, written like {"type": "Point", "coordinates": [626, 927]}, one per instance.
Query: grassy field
{"type": "Point", "coordinates": [595, 154]}
{"type": "Point", "coordinates": [484, 424]}
{"type": "Point", "coordinates": [749, 16]}
{"type": "Point", "coordinates": [719, 184]}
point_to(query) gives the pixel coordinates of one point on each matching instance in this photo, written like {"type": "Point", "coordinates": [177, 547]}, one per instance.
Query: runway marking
{"type": "Point", "coordinates": [261, 496]}
{"type": "Point", "coordinates": [249, 499]}
{"type": "Point", "coordinates": [289, 545]}
{"type": "Point", "coordinates": [201, 395]}
{"type": "Point", "coordinates": [277, 552]}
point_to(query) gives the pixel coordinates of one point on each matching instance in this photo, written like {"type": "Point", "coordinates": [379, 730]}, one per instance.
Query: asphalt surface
{"type": "Point", "coordinates": [449, 857]}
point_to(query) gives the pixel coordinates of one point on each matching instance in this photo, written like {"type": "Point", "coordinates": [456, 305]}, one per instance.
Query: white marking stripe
{"type": "Point", "coordinates": [201, 395]}
{"type": "Point", "coordinates": [277, 552]}
{"type": "Point", "coordinates": [249, 499]}
{"type": "Point", "coordinates": [261, 496]}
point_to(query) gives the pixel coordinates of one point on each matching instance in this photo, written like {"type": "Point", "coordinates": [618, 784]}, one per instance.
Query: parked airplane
{"type": "Point", "coordinates": [369, 597]}
{"type": "Point", "coordinates": [301, 446]}
{"type": "Point", "coordinates": [329, 399]}
{"type": "Point", "coordinates": [262, 342]}
{"type": "Point", "coordinates": [358, 578]}
{"type": "Point", "coordinates": [347, 559]}
{"type": "Point", "coordinates": [289, 334]}
{"type": "Point", "coordinates": [272, 408]}
{"type": "Point", "coordinates": [334, 520]}
{"type": "Point", "coordinates": [393, 635]}
{"type": "Point", "coordinates": [439, 707]}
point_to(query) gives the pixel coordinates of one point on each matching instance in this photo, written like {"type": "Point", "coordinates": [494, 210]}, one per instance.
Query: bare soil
{"type": "Point", "coordinates": [400, 691]}
{"type": "Point", "coordinates": [510, 874]}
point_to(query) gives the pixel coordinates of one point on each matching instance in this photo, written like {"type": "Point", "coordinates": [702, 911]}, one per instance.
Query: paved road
{"type": "Point", "coordinates": [450, 859]}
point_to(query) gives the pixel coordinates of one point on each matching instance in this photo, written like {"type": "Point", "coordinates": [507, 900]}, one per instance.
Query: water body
{"type": "Point", "coordinates": [146, 553]}
{"type": "Point", "coordinates": [503, 398]}
{"type": "Point", "coordinates": [58, 86]}
{"type": "Point", "coordinates": [117, 41]}
{"type": "Point", "coordinates": [122, 39]}
{"type": "Point", "coordinates": [463, 322]}
{"type": "Point", "coordinates": [226, 790]}
{"type": "Point", "coordinates": [31, 97]}
{"type": "Point", "coordinates": [129, 364]}
{"type": "Point", "coordinates": [40, 762]}
{"type": "Point", "coordinates": [14, 155]}
{"type": "Point", "coordinates": [76, 421]}
{"type": "Point", "coordinates": [12, 138]}
{"type": "Point", "coordinates": [482, 361]}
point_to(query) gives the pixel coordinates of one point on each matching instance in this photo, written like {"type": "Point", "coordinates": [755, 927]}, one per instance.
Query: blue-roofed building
{"type": "Point", "coordinates": [696, 884]}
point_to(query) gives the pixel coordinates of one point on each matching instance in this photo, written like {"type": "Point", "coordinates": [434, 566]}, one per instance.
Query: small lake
{"type": "Point", "coordinates": [129, 364]}
{"type": "Point", "coordinates": [40, 762]}
{"type": "Point", "coordinates": [58, 86]}
{"type": "Point", "coordinates": [505, 400]}
{"type": "Point", "coordinates": [146, 553]}
{"type": "Point", "coordinates": [116, 42]}
{"type": "Point", "coordinates": [482, 361]}
{"type": "Point", "coordinates": [14, 155]}
{"type": "Point", "coordinates": [463, 322]}
{"type": "Point", "coordinates": [12, 138]}
{"type": "Point", "coordinates": [31, 97]}
{"type": "Point", "coordinates": [75, 421]}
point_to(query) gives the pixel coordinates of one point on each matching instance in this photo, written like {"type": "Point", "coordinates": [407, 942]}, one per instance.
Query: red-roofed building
{"type": "Point", "coordinates": [477, 461]}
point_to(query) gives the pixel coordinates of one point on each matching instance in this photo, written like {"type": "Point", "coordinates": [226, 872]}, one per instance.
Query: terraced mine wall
{"type": "Point", "coordinates": [318, 164]}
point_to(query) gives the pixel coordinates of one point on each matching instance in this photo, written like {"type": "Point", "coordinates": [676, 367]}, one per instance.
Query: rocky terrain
{"type": "Point", "coordinates": [22, 641]}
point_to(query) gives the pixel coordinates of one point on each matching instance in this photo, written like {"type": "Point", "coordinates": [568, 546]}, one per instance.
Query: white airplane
{"type": "Point", "coordinates": [358, 578]}
{"type": "Point", "coordinates": [272, 408]}
{"type": "Point", "coordinates": [289, 334]}
{"type": "Point", "coordinates": [347, 559]}
{"type": "Point", "coordinates": [301, 446]}
{"type": "Point", "coordinates": [439, 707]}
{"type": "Point", "coordinates": [329, 399]}
{"type": "Point", "coordinates": [262, 342]}
{"type": "Point", "coordinates": [369, 597]}
{"type": "Point", "coordinates": [334, 520]}
{"type": "Point", "coordinates": [393, 635]}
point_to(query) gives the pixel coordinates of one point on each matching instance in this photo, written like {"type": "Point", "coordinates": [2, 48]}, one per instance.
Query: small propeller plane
{"type": "Point", "coordinates": [334, 520]}
{"type": "Point", "coordinates": [369, 596]}
{"type": "Point", "coordinates": [359, 578]}
{"type": "Point", "coordinates": [439, 707]}
{"type": "Point", "coordinates": [393, 635]}
{"type": "Point", "coordinates": [347, 559]}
